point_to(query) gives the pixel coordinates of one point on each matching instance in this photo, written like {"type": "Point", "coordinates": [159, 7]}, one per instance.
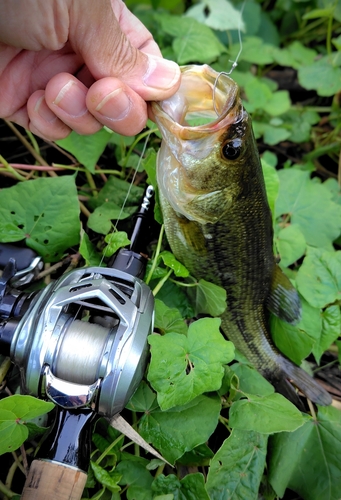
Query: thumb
{"type": "Point", "coordinates": [114, 43]}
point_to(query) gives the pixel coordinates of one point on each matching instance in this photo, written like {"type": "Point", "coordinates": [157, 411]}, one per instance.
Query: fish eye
{"type": "Point", "coordinates": [231, 150]}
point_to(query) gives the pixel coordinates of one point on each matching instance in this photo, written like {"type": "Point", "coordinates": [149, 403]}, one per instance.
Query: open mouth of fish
{"type": "Point", "coordinates": [192, 122]}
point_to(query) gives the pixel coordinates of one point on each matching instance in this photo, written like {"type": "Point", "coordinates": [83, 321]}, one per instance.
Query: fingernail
{"type": "Point", "coordinates": [161, 73]}
{"type": "Point", "coordinates": [44, 111]}
{"type": "Point", "coordinates": [115, 106]}
{"type": "Point", "coordinates": [71, 99]}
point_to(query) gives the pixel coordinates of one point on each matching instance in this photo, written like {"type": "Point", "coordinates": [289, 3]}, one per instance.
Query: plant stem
{"type": "Point", "coordinates": [33, 140]}
{"type": "Point", "coordinates": [159, 470]}
{"type": "Point", "coordinates": [157, 252]}
{"type": "Point", "coordinates": [91, 182]}
{"type": "Point", "coordinates": [162, 282]}
{"type": "Point", "coordinates": [311, 408]}
{"type": "Point", "coordinates": [186, 285]}
{"type": "Point", "coordinates": [9, 493]}
{"type": "Point", "coordinates": [106, 451]}
{"type": "Point", "coordinates": [84, 210]}
{"type": "Point", "coordinates": [25, 142]}
{"type": "Point", "coordinates": [9, 168]}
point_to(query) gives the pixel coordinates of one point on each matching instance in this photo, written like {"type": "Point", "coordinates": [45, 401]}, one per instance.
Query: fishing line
{"type": "Point", "coordinates": [128, 191]}
{"type": "Point", "coordinates": [234, 63]}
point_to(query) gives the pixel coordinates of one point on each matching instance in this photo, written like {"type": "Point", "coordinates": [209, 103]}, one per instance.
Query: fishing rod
{"type": "Point", "coordinates": [81, 343]}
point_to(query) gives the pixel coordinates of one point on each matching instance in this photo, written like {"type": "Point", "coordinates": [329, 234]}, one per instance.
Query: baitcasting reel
{"type": "Point", "coordinates": [82, 341]}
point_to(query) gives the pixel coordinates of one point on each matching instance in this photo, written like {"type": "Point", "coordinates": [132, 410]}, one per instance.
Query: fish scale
{"type": "Point", "coordinates": [218, 221]}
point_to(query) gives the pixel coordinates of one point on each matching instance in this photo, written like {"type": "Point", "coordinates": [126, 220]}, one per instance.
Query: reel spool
{"type": "Point", "coordinates": [83, 343]}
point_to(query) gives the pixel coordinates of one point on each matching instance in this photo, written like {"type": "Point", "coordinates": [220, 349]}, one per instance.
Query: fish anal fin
{"type": "Point", "coordinates": [283, 300]}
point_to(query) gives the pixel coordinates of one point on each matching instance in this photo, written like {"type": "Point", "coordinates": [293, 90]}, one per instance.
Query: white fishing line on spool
{"type": "Point", "coordinates": [80, 352]}
{"type": "Point", "coordinates": [234, 62]}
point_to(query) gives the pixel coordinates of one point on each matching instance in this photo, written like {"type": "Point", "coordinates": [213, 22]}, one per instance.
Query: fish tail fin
{"type": "Point", "coordinates": [295, 376]}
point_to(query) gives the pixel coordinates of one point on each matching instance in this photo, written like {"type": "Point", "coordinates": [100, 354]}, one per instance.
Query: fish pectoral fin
{"type": "Point", "coordinates": [210, 207]}
{"type": "Point", "coordinates": [283, 299]}
{"type": "Point", "coordinates": [193, 236]}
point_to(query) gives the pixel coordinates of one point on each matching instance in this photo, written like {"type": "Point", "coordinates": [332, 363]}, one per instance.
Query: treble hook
{"type": "Point", "coordinates": [234, 65]}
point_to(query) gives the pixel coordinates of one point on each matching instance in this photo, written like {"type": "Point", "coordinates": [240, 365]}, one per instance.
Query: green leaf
{"type": "Point", "coordinates": [297, 341]}
{"type": "Point", "coordinates": [144, 399]}
{"type": "Point", "coordinates": [299, 122]}
{"type": "Point", "coordinates": [100, 219]}
{"type": "Point", "coordinates": [271, 183]}
{"type": "Point", "coordinates": [318, 13]}
{"type": "Point", "coordinates": [14, 410]}
{"type": "Point", "coordinates": [200, 455]}
{"type": "Point", "coordinates": [191, 487]}
{"type": "Point", "coordinates": [278, 104]}
{"type": "Point", "coordinates": [86, 148]}
{"type": "Point", "coordinates": [291, 244]}
{"type": "Point", "coordinates": [35, 431]}
{"type": "Point", "coordinates": [168, 319]}
{"type": "Point", "coordinates": [254, 51]}
{"type": "Point", "coordinates": [176, 431]}
{"type": "Point", "coordinates": [120, 192]}
{"type": "Point", "coordinates": [257, 93]}
{"type": "Point", "coordinates": [237, 467]}
{"type": "Point", "coordinates": [265, 414]}
{"type": "Point", "coordinates": [107, 479]}
{"type": "Point", "coordinates": [116, 240]}
{"type": "Point", "coordinates": [134, 473]}
{"type": "Point", "coordinates": [208, 298]}
{"type": "Point", "coordinates": [43, 211]}
{"type": "Point", "coordinates": [88, 251]}
{"type": "Point", "coordinates": [310, 206]}
{"type": "Point", "coordinates": [331, 328]}
{"type": "Point", "coordinates": [273, 134]}
{"type": "Point", "coordinates": [323, 76]}
{"type": "Point", "coordinates": [193, 41]}
{"type": "Point", "coordinates": [183, 367]}
{"type": "Point", "coordinates": [309, 458]}
{"type": "Point", "coordinates": [174, 297]}
{"type": "Point", "coordinates": [170, 261]}
{"type": "Point", "coordinates": [12, 433]}
{"type": "Point", "coordinates": [149, 165]}
{"type": "Point", "coordinates": [319, 277]}
{"type": "Point", "coordinates": [25, 407]}
{"type": "Point", "coordinates": [209, 12]}
{"type": "Point", "coordinates": [251, 381]}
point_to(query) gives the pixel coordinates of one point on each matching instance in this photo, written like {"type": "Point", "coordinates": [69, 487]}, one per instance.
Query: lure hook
{"type": "Point", "coordinates": [234, 63]}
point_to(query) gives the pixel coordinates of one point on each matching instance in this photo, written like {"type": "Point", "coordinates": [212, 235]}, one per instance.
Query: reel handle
{"type": "Point", "coordinates": [53, 481]}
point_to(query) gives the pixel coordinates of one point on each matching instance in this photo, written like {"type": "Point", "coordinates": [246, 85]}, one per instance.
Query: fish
{"type": "Point", "coordinates": [218, 222]}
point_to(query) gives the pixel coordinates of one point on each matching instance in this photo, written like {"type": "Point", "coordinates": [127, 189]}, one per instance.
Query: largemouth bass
{"type": "Point", "coordinates": [218, 222]}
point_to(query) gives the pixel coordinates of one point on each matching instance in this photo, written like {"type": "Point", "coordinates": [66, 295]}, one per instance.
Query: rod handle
{"type": "Point", "coordinates": [52, 481]}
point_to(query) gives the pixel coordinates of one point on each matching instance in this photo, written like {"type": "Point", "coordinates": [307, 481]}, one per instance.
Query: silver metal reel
{"type": "Point", "coordinates": [84, 340]}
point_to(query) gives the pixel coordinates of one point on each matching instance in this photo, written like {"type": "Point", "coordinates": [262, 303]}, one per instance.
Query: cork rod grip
{"type": "Point", "coordinates": [53, 481]}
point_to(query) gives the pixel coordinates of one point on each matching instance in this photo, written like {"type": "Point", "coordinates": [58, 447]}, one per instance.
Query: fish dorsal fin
{"type": "Point", "coordinates": [283, 299]}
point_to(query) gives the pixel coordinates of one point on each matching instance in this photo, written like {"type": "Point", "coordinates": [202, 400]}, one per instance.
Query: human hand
{"type": "Point", "coordinates": [78, 65]}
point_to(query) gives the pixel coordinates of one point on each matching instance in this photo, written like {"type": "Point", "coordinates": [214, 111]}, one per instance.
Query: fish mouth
{"type": "Point", "coordinates": [204, 94]}
{"type": "Point", "coordinates": [192, 122]}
